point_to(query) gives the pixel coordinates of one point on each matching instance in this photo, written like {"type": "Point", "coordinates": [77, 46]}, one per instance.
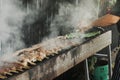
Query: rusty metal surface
{"type": "Point", "coordinates": [53, 67]}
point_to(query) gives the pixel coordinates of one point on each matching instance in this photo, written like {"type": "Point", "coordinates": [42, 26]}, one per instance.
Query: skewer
{"type": "Point", "coordinates": [14, 71]}
{"type": "Point", "coordinates": [56, 53]}
{"type": "Point", "coordinates": [26, 67]}
{"type": "Point", "coordinates": [32, 63]}
{"type": "Point", "coordinates": [39, 60]}
{"type": "Point", "coordinates": [20, 70]}
{"type": "Point", "coordinates": [47, 57]}
{"type": "Point", "coordinates": [7, 73]}
{"type": "Point", "coordinates": [52, 54]}
{"type": "Point", "coordinates": [2, 77]}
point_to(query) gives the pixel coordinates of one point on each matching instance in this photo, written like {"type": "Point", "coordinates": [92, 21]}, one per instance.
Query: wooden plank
{"type": "Point", "coordinates": [49, 69]}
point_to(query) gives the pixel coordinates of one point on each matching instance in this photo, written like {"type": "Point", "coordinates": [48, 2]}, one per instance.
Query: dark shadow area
{"type": "Point", "coordinates": [75, 73]}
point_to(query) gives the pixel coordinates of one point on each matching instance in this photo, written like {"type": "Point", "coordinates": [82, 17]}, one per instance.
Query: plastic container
{"type": "Point", "coordinates": [101, 71]}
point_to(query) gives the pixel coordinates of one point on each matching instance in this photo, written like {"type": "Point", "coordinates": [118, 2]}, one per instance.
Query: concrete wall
{"type": "Point", "coordinates": [46, 9]}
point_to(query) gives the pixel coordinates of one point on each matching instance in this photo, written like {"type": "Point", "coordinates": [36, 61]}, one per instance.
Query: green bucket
{"type": "Point", "coordinates": [101, 71]}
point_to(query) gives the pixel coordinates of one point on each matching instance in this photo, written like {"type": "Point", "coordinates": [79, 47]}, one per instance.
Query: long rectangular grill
{"type": "Point", "coordinates": [36, 53]}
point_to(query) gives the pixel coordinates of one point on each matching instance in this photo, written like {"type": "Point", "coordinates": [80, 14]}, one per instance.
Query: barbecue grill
{"type": "Point", "coordinates": [49, 59]}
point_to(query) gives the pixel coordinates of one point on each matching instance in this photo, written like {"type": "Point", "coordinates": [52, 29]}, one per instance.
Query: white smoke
{"type": "Point", "coordinates": [11, 21]}
{"type": "Point", "coordinates": [74, 15]}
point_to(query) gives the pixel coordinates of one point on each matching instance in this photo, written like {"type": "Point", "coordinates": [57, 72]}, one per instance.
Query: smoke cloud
{"type": "Point", "coordinates": [12, 16]}
{"type": "Point", "coordinates": [73, 16]}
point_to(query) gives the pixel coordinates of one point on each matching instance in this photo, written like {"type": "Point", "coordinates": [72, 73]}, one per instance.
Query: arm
{"type": "Point", "coordinates": [106, 20]}
{"type": "Point", "coordinates": [103, 21]}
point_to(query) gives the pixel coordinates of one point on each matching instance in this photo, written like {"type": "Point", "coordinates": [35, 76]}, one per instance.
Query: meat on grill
{"type": "Point", "coordinates": [33, 54]}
